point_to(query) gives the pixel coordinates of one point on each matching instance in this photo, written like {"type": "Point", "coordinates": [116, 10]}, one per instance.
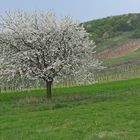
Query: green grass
{"type": "Point", "coordinates": [108, 111]}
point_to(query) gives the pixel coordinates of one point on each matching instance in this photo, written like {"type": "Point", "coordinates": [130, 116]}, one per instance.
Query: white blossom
{"type": "Point", "coordinates": [40, 46]}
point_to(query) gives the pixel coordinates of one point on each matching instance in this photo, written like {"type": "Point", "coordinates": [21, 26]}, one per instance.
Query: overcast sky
{"type": "Point", "coordinates": [81, 10]}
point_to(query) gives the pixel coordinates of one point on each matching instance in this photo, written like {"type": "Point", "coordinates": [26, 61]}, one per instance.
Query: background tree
{"type": "Point", "coordinates": [38, 45]}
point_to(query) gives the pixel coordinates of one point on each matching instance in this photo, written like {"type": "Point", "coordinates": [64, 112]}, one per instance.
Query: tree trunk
{"type": "Point", "coordinates": [49, 89]}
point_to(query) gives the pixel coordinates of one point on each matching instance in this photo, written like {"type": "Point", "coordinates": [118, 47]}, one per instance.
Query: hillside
{"type": "Point", "coordinates": [118, 45]}
{"type": "Point", "coordinates": [113, 31]}
{"type": "Point", "coordinates": [126, 26]}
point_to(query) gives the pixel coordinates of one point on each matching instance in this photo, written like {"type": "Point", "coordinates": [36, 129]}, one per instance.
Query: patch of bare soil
{"type": "Point", "coordinates": [122, 50]}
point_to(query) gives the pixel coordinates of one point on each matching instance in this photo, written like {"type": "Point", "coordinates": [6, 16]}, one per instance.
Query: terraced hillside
{"type": "Point", "coordinates": [118, 44]}
{"type": "Point", "coordinates": [122, 50]}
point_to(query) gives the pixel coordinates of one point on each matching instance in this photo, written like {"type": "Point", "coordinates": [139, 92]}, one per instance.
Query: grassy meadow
{"type": "Point", "coordinates": [107, 111]}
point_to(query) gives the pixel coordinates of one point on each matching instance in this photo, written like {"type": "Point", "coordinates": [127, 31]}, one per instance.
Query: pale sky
{"type": "Point", "coordinates": [81, 10]}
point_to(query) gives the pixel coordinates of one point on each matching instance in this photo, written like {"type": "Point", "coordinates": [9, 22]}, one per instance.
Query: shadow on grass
{"type": "Point", "coordinates": [59, 102]}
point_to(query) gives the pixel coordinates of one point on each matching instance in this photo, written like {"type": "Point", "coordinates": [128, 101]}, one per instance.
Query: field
{"type": "Point", "coordinates": [107, 111]}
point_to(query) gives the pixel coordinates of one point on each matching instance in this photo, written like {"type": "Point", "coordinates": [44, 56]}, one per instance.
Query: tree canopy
{"type": "Point", "coordinates": [37, 45]}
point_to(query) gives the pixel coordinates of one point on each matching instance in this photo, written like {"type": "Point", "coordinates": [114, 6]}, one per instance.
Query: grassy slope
{"type": "Point", "coordinates": [118, 30]}
{"type": "Point", "coordinates": [112, 33]}
{"type": "Point", "coordinates": [107, 111]}
{"type": "Point", "coordinates": [132, 57]}
{"type": "Point", "coordinates": [114, 42]}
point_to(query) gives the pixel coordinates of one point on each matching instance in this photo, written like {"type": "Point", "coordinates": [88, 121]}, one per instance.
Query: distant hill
{"type": "Point", "coordinates": [117, 38]}
{"type": "Point", "coordinates": [114, 26]}
{"type": "Point", "coordinates": [118, 45]}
